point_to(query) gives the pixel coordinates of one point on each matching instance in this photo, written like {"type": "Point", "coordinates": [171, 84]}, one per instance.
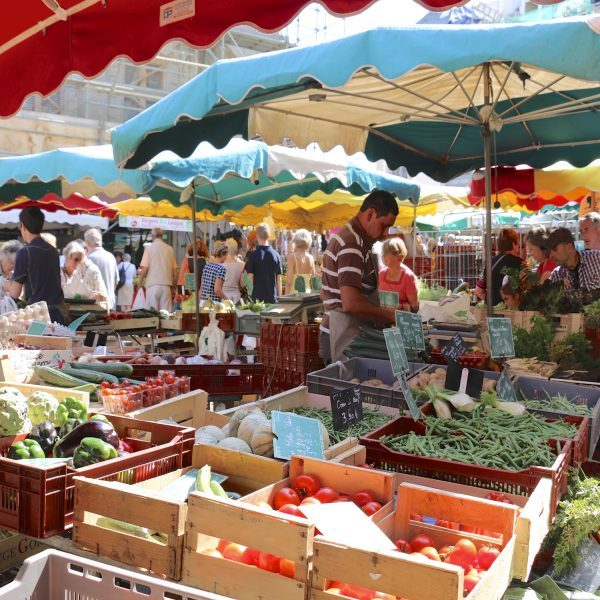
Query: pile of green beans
{"type": "Point", "coordinates": [559, 403]}
{"type": "Point", "coordinates": [372, 419]}
{"type": "Point", "coordinates": [486, 437]}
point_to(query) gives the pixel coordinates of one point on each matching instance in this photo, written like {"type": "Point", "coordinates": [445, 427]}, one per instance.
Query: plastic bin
{"type": "Point", "coordinates": [534, 388]}
{"type": "Point", "coordinates": [333, 378]}
{"type": "Point", "coordinates": [39, 501]}
{"type": "Point", "coordinates": [53, 574]}
{"type": "Point", "coordinates": [521, 482]}
{"type": "Point", "coordinates": [248, 324]}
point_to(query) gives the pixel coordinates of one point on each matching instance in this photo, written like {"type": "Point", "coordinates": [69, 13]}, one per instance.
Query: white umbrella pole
{"type": "Point", "coordinates": [195, 261]}
{"type": "Point", "coordinates": [487, 158]}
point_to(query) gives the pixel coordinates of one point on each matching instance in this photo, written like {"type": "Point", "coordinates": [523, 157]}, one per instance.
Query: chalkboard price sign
{"type": "Point", "coordinates": [411, 327]}
{"type": "Point", "coordinates": [505, 389]}
{"type": "Point", "coordinates": [295, 434]}
{"type": "Point", "coordinates": [415, 413]}
{"type": "Point", "coordinates": [346, 407]}
{"type": "Point", "coordinates": [190, 282]}
{"type": "Point", "coordinates": [389, 299]}
{"type": "Point", "coordinates": [501, 337]}
{"type": "Point", "coordinates": [455, 348]}
{"type": "Point", "coordinates": [395, 348]}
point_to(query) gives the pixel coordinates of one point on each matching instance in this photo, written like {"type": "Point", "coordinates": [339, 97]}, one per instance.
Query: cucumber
{"type": "Point", "coordinates": [88, 375]}
{"type": "Point", "coordinates": [129, 528]}
{"type": "Point", "coordinates": [117, 369]}
{"type": "Point", "coordinates": [90, 388]}
{"type": "Point", "coordinates": [57, 378]}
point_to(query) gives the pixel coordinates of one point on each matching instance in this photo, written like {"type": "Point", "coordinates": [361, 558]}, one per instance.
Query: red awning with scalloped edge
{"type": "Point", "coordinates": [75, 204]}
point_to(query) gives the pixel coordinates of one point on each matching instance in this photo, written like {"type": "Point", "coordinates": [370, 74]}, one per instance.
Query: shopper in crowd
{"type": "Point", "coordinates": [511, 296]}
{"type": "Point", "coordinates": [536, 242]}
{"type": "Point", "coordinates": [589, 225]}
{"type": "Point", "coordinates": [187, 264]}
{"type": "Point", "coordinates": [232, 285]}
{"type": "Point", "coordinates": [80, 277]}
{"type": "Point", "coordinates": [37, 268]}
{"type": "Point", "coordinates": [506, 259]}
{"type": "Point", "coordinates": [8, 254]}
{"type": "Point", "coordinates": [576, 270]}
{"type": "Point", "coordinates": [213, 276]}
{"type": "Point", "coordinates": [397, 277]}
{"type": "Point", "coordinates": [105, 261]}
{"type": "Point", "coordinates": [264, 268]}
{"type": "Point", "coordinates": [50, 238]}
{"type": "Point", "coordinates": [300, 263]}
{"type": "Point", "coordinates": [349, 290]}
{"type": "Point", "coordinates": [159, 271]}
{"type": "Point", "coordinates": [125, 291]}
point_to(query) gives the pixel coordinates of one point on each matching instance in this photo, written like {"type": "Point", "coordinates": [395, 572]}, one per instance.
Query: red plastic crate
{"type": "Point", "coordinates": [514, 482]}
{"type": "Point", "coordinates": [226, 321]}
{"type": "Point", "coordinates": [581, 439]}
{"type": "Point", "coordinates": [39, 502]}
{"type": "Point", "coordinates": [437, 358]}
{"type": "Point", "coordinates": [307, 338]}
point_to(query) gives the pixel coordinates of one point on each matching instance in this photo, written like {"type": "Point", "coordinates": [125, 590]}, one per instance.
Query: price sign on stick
{"type": "Point", "coordinates": [295, 434]}
{"type": "Point", "coordinates": [411, 327]}
{"type": "Point", "coordinates": [346, 407]}
{"type": "Point", "coordinates": [190, 281]}
{"type": "Point", "coordinates": [501, 337]}
{"type": "Point", "coordinates": [395, 348]}
{"type": "Point", "coordinates": [415, 413]}
{"type": "Point", "coordinates": [455, 348]}
{"type": "Point", "coordinates": [462, 379]}
{"type": "Point", "coordinates": [505, 389]}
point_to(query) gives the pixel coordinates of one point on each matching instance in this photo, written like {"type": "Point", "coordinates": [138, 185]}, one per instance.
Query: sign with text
{"type": "Point", "coordinates": [501, 337]}
{"type": "Point", "coordinates": [462, 379]}
{"type": "Point", "coordinates": [184, 225]}
{"type": "Point", "coordinates": [505, 389]}
{"type": "Point", "coordinates": [346, 407]}
{"type": "Point", "coordinates": [395, 348]}
{"type": "Point", "coordinates": [455, 348]}
{"type": "Point", "coordinates": [37, 328]}
{"type": "Point", "coordinates": [388, 299]}
{"type": "Point", "coordinates": [295, 434]}
{"type": "Point", "coordinates": [189, 282]}
{"type": "Point", "coordinates": [415, 413]}
{"type": "Point", "coordinates": [411, 327]}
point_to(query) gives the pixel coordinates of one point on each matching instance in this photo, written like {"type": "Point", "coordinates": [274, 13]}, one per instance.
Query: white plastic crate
{"type": "Point", "coordinates": [53, 574]}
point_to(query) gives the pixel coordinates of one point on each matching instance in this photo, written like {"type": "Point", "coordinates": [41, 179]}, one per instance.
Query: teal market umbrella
{"type": "Point", "coordinates": [442, 100]}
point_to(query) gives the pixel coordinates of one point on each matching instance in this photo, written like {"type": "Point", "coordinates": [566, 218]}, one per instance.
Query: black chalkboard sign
{"type": "Point", "coordinates": [93, 339]}
{"type": "Point", "coordinates": [455, 348]}
{"type": "Point", "coordinates": [464, 379]}
{"type": "Point", "coordinates": [346, 407]}
{"type": "Point", "coordinates": [505, 389]}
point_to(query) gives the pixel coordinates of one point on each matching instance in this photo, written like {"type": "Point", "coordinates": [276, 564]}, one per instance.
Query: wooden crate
{"type": "Point", "coordinates": [44, 341]}
{"type": "Point", "coordinates": [211, 519]}
{"type": "Point", "coordinates": [128, 324]}
{"type": "Point", "coordinates": [349, 451]}
{"type": "Point", "coordinates": [142, 505]}
{"type": "Point", "coordinates": [60, 393]}
{"type": "Point", "coordinates": [15, 548]}
{"type": "Point", "coordinates": [568, 324]}
{"type": "Point", "coordinates": [533, 521]}
{"type": "Point", "coordinates": [405, 576]}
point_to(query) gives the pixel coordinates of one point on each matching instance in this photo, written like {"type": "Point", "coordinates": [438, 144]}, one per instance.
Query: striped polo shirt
{"type": "Point", "coordinates": [346, 261]}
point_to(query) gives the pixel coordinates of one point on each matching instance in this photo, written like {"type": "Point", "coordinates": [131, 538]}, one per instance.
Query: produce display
{"type": "Point", "coordinates": [256, 306]}
{"type": "Point", "coordinates": [13, 412]}
{"type": "Point", "coordinates": [559, 403]}
{"type": "Point", "coordinates": [531, 365]}
{"type": "Point", "coordinates": [438, 378]}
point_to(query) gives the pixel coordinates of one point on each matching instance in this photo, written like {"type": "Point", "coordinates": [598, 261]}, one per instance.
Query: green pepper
{"type": "Point", "coordinates": [68, 426]}
{"type": "Point", "coordinates": [91, 451]}
{"type": "Point", "coordinates": [99, 417]}
{"type": "Point", "coordinates": [70, 408]}
{"type": "Point", "coordinates": [26, 449]}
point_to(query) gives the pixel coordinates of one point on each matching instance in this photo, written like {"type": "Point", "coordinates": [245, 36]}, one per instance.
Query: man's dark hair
{"type": "Point", "coordinates": [119, 254]}
{"type": "Point", "coordinates": [384, 203]}
{"type": "Point", "coordinates": [33, 219]}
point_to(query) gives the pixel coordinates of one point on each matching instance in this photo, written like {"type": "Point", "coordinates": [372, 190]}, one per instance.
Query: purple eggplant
{"type": "Point", "coordinates": [99, 429]}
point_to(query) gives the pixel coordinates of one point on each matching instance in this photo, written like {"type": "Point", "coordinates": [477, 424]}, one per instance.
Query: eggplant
{"type": "Point", "coordinates": [99, 429]}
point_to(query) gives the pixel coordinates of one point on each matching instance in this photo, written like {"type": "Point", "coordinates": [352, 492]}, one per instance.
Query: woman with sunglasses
{"type": "Point", "coordinates": [81, 278]}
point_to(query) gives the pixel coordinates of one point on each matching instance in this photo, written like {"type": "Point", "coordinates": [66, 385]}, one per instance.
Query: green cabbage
{"type": "Point", "coordinates": [41, 406]}
{"type": "Point", "coordinates": [13, 412]}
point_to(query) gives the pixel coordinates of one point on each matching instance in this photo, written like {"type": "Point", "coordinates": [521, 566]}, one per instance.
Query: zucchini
{"type": "Point", "coordinates": [89, 375]}
{"type": "Point", "coordinates": [117, 369]}
{"type": "Point", "coordinates": [90, 388]}
{"type": "Point", "coordinates": [57, 378]}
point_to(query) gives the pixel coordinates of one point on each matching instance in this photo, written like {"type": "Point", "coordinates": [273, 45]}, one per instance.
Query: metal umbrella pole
{"type": "Point", "coordinates": [487, 158]}
{"type": "Point", "coordinates": [189, 193]}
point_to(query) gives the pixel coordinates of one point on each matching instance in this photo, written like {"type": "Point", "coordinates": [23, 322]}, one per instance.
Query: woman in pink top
{"type": "Point", "coordinates": [537, 247]}
{"type": "Point", "coordinates": [397, 277]}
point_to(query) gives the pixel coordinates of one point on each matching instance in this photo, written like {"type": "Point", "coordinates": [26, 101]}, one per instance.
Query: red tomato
{"type": "Point", "coordinates": [421, 541]}
{"type": "Point", "coordinates": [356, 591]}
{"type": "Point", "coordinates": [287, 568]}
{"type": "Point", "coordinates": [415, 517]}
{"type": "Point", "coordinates": [448, 524]}
{"type": "Point", "coordinates": [222, 545]}
{"type": "Point", "coordinates": [235, 552]}
{"type": "Point", "coordinates": [486, 557]}
{"type": "Point", "coordinates": [470, 581]}
{"type": "Point", "coordinates": [431, 553]}
{"type": "Point", "coordinates": [326, 495]}
{"type": "Point", "coordinates": [306, 485]}
{"type": "Point", "coordinates": [463, 555]}
{"type": "Point", "coordinates": [269, 562]}
{"type": "Point", "coordinates": [403, 546]}
{"type": "Point", "coordinates": [363, 497]}
{"type": "Point", "coordinates": [370, 508]}
{"type": "Point", "coordinates": [310, 500]}
{"type": "Point", "coordinates": [291, 509]}
{"type": "Point", "coordinates": [250, 557]}
{"type": "Point", "coordinates": [285, 495]}
{"type": "Point", "coordinates": [444, 552]}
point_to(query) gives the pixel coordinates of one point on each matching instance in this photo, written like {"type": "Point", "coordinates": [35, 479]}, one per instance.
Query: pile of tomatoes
{"type": "Point", "coordinates": [152, 391]}
{"type": "Point", "coordinates": [304, 489]}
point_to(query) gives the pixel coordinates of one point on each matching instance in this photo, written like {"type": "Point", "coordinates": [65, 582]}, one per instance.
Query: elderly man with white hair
{"type": "Point", "coordinates": [105, 261]}
{"type": "Point", "coordinates": [159, 270]}
{"type": "Point", "coordinates": [589, 225]}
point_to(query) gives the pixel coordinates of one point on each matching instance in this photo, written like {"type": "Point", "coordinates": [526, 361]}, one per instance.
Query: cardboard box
{"type": "Point", "coordinates": [15, 548]}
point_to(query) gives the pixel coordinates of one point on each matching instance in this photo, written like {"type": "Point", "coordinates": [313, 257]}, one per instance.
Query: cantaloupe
{"type": "Point", "coordinates": [249, 424]}
{"type": "Point", "coordinates": [233, 443]}
{"type": "Point", "coordinates": [262, 439]}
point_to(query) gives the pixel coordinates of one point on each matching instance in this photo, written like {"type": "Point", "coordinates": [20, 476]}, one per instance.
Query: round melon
{"type": "Point", "coordinates": [249, 424]}
{"type": "Point", "coordinates": [233, 443]}
{"type": "Point", "coordinates": [211, 431]}
{"type": "Point", "coordinates": [239, 415]}
{"type": "Point", "coordinates": [262, 439]}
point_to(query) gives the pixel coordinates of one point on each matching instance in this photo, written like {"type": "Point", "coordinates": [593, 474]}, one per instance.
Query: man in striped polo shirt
{"type": "Point", "coordinates": [349, 288]}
